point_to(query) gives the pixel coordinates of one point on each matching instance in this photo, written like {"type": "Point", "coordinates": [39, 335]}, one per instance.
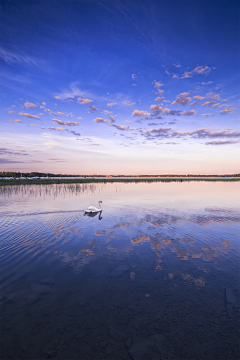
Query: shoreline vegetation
{"type": "Point", "coordinates": [5, 182]}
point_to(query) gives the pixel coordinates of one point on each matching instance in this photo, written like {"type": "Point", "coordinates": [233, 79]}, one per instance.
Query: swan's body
{"type": "Point", "coordinates": [93, 209]}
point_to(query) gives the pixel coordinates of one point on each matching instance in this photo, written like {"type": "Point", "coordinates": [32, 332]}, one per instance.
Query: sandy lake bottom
{"type": "Point", "coordinates": [154, 276]}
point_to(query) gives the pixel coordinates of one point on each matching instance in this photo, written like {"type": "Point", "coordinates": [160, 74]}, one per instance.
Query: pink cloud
{"type": "Point", "coordinates": [29, 115]}
{"type": "Point", "coordinates": [182, 99]}
{"type": "Point", "coordinates": [141, 113]}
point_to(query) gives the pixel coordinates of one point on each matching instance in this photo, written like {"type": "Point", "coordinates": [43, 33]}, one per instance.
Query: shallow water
{"type": "Point", "coordinates": [155, 275]}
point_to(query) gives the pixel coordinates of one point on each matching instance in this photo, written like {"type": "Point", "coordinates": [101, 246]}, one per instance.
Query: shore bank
{"type": "Point", "coordinates": [108, 180]}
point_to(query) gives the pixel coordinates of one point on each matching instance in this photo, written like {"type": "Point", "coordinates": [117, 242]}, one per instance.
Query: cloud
{"type": "Point", "coordinates": [99, 120]}
{"type": "Point", "coordinates": [28, 104]}
{"type": "Point", "coordinates": [157, 84]}
{"type": "Point", "coordinates": [10, 57]}
{"type": "Point", "coordinates": [51, 128]}
{"type": "Point", "coordinates": [57, 97]}
{"type": "Point", "coordinates": [29, 116]}
{"type": "Point", "coordinates": [68, 123]}
{"type": "Point", "coordinates": [5, 151]}
{"type": "Point", "coordinates": [111, 119]}
{"type": "Point", "coordinates": [175, 76]}
{"type": "Point", "coordinates": [226, 111]}
{"type": "Point", "coordinates": [92, 109]}
{"type": "Point", "coordinates": [229, 142]}
{"type": "Point", "coordinates": [198, 97]}
{"type": "Point", "coordinates": [218, 104]}
{"type": "Point", "coordinates": [206, 114]}
{"type": "Point", "coordinates": [156, 109]}
{"type": "Point", "coordinates": [75, 133]}
{"type": "Point", "coordinates": [208, 103]}
{"type": "Point", "coordinates": [55, 113]}
{"type": "Point", "coordinates": [182, 99]}
{"type": "Point", "coordinates": [106, 112]}
{"type": "Point", "coordinates": [159, 98]}
{"type": "Point", "coordinates": [44, 103]}
{"type": "Point", "coordinates": [11, 111]}
{"type": "Point", "coordinates": [177, 66]}
{"type": "Point", "coordinates": [193, 103]}
{"type": "Point", "coordinates": [209, 82]}
{"type": "Point", "coordinates": [71, 123]}
{"type": "Point", "coordinates": [84, 101]}
{"type": "Point", "coordinates": [133, 76]}
{"type": "Point", "coordinates": [59, 122]}
{"type": "Point", "coordinates": [199, 70]}
{"type": "Point", "coordinates": [189, 112]}
{"type": "Point", "coordinates": [121, 127]}
{"type": "Point", "coordinates": [61, 129]}
{"type": "Point", "coordinates": [16, 121]}
{"type": "Point", "coordinates": [111, 104]}
{"type": "Point", "coordinates": [79, 118]}
{"type": "Point", "coordinates": [141, 113]}
{"type": "Point", "coordinates": [196, 134]}
{"type": "Point", "coordinates": [202, 70]}
{"type": "Point", "coordinates": [213, 96]}
{"type": "Point", "coordinates": [172, 112]}
{"type": "Point", "coordinates": [128, 103]}
{"type": "Point", "coordinates": [7, 161]}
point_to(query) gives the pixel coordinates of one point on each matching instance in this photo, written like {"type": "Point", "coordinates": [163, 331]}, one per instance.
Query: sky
{"type": "Point", "coordinates": [120, 87]}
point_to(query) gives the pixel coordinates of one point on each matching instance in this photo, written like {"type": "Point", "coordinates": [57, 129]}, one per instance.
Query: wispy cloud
{"type": "Point", "coordinates": [121, 127]}
{"type": "Point", "coordinates": [16, 121]}
{"type": "Point", "coordinates": [141, 113]}
{"type": "Point", "coordinates": [199, 70]}
{"type": "Point", "coordinates": [111, 104]}
{"type": "Point", "coordinates": [68, 123]}
{"type": "Point", "coordinates": [29, 116]}
{"type": "Point", "coordinates": [229, 142]}
{"type": "Point", "coordinates": [5, 151]}
{"type": "Point", "coordinates": [28, 104]}
{"type": "Point", "coordinates": [99, 120]}
{"type": "Point", "coordinates": [59, 113]}
{"type": "Point", "coordinates": [196, 134]}
{"type": "Point", "coordinates": [11, 57]}
{"type": "Point", "coordinates": [84, 101]}
{"type": "Point", "coordinates": [198, 97]}
{"type": "Point", "coordinates": [92, 109]}
{"type": "Point", "coordinates": [208, 103]}
{"type": "Point", "coordinates": [129, 103]}
{"type": "Point", "coordinates": [226, 111]}
{"type": "Point", "coordinates": [182, 99]}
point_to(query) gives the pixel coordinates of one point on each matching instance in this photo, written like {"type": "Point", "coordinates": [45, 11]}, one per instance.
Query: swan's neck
{"type": "Point", "coordinates": [99, 204]}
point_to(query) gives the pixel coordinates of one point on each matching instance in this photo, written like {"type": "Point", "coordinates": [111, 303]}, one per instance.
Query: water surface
{"type": "Point", "coordinates": [155, 275]}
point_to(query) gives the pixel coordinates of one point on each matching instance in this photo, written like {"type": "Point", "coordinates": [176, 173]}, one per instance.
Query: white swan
{"type": "Point", "coordinates": [93, 209]}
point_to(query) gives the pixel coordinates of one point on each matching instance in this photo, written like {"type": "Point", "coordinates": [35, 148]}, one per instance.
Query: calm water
{"type": "Point", "coordinates": [154, 276]}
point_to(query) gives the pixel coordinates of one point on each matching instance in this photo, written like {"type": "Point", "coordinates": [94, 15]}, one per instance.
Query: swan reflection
{"type": "Point", "coordinates": [94, 214]}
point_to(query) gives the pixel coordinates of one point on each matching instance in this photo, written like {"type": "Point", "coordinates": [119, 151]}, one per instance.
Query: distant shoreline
{"type": "Point", "coordinates": [110, 180]}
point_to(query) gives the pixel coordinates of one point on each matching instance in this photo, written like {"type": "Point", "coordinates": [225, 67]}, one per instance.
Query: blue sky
{"type": "Point", "coordinates": [120, 87]}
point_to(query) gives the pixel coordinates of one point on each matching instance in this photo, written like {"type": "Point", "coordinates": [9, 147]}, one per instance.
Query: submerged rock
{"type": "Point", "coordinates": [118, 271]}
{"type": "Point", "coordinates": [153, 346]}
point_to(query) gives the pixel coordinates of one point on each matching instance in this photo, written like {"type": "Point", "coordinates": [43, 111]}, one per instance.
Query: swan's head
{"type": "Point", "coordinates": [100, 202]}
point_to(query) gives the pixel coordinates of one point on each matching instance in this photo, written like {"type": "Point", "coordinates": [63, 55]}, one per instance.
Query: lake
{"type": "Point", "coordinates": [154, 276]}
